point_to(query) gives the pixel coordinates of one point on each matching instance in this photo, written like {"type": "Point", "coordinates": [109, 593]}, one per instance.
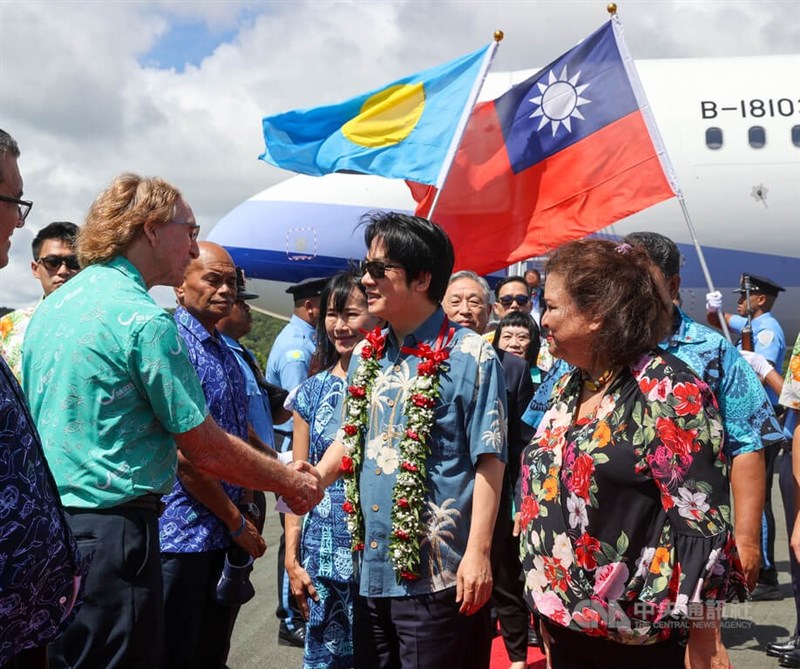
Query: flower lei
{"type": "Point", "coordinates": [408, 495]}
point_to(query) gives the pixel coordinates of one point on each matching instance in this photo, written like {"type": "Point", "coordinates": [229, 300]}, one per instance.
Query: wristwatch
{"type": "Point", "coordinates": [251, 509]}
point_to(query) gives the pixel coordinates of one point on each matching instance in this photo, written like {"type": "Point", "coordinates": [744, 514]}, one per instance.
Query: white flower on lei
{"type": "Point", "coordinates": [691, 505]}
{"type": "Point", "coordinates": [578, 516]}
{"type": "Point", "coordinates": [387, 459]}
{"type": "Point", "coordinates": [562, 550]}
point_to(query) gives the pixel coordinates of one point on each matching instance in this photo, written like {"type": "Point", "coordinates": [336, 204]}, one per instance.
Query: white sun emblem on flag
{"type": "Point", "coordinates": [559, 101]}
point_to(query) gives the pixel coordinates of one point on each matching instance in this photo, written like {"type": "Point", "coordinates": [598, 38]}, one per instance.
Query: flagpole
{"type": "Point", "coordinates": [458, 135]}
{"type": "Point", "coordinates": [701, 257]}
{"type": "Point", "coordinates": [661, 150]}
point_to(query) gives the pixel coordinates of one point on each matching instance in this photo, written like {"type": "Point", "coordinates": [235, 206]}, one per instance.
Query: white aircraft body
{"type": "Point", "coordinates": [731, 127]}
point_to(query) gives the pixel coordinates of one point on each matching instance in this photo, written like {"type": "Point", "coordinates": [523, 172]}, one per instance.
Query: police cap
{"type": "Point", "coordinates": [759, 285]}
{"type": "Point", "coordinates": [241, 292]}
{"type": "Point", "coordinates": [307, 288]}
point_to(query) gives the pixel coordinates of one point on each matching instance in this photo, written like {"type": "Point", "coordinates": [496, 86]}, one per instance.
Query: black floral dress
{"type": "Point", "coordinates": [626, 513]}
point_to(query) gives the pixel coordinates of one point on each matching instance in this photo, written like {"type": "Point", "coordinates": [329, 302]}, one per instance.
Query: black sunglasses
{"type": "Point", "coordinates": [24, 206]}
{"type": "Point", "coordinates": [377, 268]}
{"type": "Point", "coordinates": [53, 263]}
{"type": "Point", "coordinates": [506, 300]}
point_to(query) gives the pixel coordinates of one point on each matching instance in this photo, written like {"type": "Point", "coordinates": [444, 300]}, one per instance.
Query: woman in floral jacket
{"type": "Point", "coordinates": [627, 543]}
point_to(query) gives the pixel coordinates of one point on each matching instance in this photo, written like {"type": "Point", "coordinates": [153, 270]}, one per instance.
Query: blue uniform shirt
{"type": "Point", "coordinates": [259, 412]}
{"type": "Point", "coordinates": [768, 340]}
{"type": "Point", "coordinates": [288, 362]}
{"type": "Point", "coordinates": [747, 415]}
{"type": "Point", "coordinates": [470, 420]}
{"type": "Point", "coordinates": [186, 526]}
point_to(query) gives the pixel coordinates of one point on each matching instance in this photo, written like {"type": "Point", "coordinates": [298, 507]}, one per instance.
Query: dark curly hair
{"type": "Point", "coordinates": [621, 287]}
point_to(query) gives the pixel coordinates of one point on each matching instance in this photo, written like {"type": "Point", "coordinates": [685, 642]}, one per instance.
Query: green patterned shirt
{"type": "Point", "coordinates": [109, 381]}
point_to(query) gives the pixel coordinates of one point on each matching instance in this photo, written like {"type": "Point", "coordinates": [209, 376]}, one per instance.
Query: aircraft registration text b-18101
{"type": "Point", "coordinates": [753, 108]}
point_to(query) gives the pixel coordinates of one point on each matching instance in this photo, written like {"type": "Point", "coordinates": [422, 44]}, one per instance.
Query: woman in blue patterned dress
{"type": "Point", "coordinates": [318, 557]}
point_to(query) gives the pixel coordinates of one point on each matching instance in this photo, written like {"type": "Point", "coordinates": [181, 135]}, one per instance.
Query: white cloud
{"type": "Point", "coordinates": [83, 109]}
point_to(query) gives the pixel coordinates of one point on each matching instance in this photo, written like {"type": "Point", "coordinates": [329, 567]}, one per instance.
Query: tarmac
{"type": "Point", "coordinates": [748, 627]}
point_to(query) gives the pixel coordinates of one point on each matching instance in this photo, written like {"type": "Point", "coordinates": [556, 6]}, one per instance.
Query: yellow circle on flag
{"type": "Point", "coordinates": [387, 117]}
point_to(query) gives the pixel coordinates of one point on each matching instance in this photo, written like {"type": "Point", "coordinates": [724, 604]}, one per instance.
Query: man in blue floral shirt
{"type": "Point", "coordinates": [41, 571]}
{"type": "Point", "coordinates": [423, 588]}
{"type": "Point", "coordinates": [748, 418]}
{"type": "Point", "coordinates": [202, 513]}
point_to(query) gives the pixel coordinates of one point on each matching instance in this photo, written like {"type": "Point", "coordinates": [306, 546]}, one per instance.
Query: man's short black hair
{"type": "Point", "coordinates": [417, 244]}
{"type": "Point", "coordinates": [662, 251]}
{"type": "Point", "coordinates": [64, 230]}
{"type": "Point", "coordinates": [511, 279]}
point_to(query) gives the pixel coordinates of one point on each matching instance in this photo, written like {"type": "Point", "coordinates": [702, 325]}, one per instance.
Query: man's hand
{"type": "Point", "coordinates": [714, 302]}
{"type": "Point", "coordinates": [251, 540]}
{"type": "Point", "coordinates": [307, 490]}
{"type": "Point", "coordinates": [750, 556]}
{"type": "Point", "coordinates": [758, 362]}
{"type": "Point", "coordinates": [473, 582]}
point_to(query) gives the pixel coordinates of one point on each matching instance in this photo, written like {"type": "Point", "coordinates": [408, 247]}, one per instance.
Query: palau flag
{"type": "Point", "coordinates": [558, 156]}
{"type": "Point", "coordinates": [401, 131]}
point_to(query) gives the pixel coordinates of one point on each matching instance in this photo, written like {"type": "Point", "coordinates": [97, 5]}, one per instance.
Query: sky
{"type": "Point", "coordinates": [90, 89]}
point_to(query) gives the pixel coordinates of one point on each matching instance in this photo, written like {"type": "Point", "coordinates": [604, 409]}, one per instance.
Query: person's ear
{"type": "Point", "coordinates": [150, 231]}
{"type": "Point", "coordinates": [35, 269]}
{"type": "Point", "coordinates": [422, 282]}
{"type": "Point", "coordinates": [179, 294]}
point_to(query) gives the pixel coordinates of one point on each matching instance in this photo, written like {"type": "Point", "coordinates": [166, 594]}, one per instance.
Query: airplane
{"type": "Point", "coordinates": [731, 127]}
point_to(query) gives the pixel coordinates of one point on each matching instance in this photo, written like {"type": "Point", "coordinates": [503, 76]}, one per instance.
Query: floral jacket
{"type": "Point", "coordinates": [626, 513]}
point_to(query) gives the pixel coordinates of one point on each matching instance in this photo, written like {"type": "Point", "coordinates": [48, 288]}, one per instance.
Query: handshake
{"type": "Point", "coordinates": [305, 488]}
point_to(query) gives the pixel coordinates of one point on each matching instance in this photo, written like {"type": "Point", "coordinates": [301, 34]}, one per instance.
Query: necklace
{"type": "Point", "coordinates": [595, 384]}
{"type": "Point", "coordinates": [408, 495]}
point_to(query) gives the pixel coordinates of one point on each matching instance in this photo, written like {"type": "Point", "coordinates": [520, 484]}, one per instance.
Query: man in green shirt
{"type": "Point", "coordinates": [113, 392]}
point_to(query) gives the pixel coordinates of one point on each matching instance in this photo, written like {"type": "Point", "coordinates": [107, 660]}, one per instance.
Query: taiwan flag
{"type": "Point", "coordinates": [558, 156]}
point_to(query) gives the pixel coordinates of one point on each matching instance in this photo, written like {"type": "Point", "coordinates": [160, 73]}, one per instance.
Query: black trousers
{"type": "Point", "coordinates": [420, 632]}
{"type": "Point", "coordinates": [198, 629]}
{"type": "Point", "coordinates": [287, 609]}
{"type": "Point", "coordinates": [570, 650]}
{"type": "Point", "coordinates": [508, 592]}
{"type": "Point", "coordinates": [121, 622]}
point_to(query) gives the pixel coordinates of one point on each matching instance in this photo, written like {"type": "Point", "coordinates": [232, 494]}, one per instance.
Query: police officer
{"type": "Point", "coordinates": [287, 367]}
{"type": "Point", "coordinates": [757, 295]}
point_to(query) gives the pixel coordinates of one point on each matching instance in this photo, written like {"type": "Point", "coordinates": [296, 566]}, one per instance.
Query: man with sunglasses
{"type": "Point", "coordinates": [512, 294]}
{"type": "Point", "coordinates": [437, 615]}
{"type": "Point", "coordinates": [54, 263]}
{"type": "Point", "coordinates": [41, 571]}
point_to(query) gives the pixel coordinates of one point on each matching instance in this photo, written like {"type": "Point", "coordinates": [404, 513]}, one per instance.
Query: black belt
{"type": "Point", "coordinates": [148, 502]}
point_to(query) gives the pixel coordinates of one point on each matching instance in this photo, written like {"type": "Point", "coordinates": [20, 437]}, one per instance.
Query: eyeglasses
{"type": "Point", "coordinates": [507, 300]}
{"type": "Point", "coordinates": [194, 229]}
{"type": "Point", "coordinates": [24, 206]}
{"type": "Point", "coordinates": [53, 263]}
{"type": "Point", "coordinates": [377, 268]}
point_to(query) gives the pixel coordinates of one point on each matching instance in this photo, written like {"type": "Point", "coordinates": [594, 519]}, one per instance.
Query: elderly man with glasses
{"type": "Point", "coordinates": [54, 263]}
{"type": "Point", "coordinates": [113, 392]}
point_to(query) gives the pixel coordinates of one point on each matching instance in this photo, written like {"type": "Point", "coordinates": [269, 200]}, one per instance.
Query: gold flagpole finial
{"type": "Point", "coordinates": [499, 35]}
{"type": "Point", "coordinates": [611, 8]}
